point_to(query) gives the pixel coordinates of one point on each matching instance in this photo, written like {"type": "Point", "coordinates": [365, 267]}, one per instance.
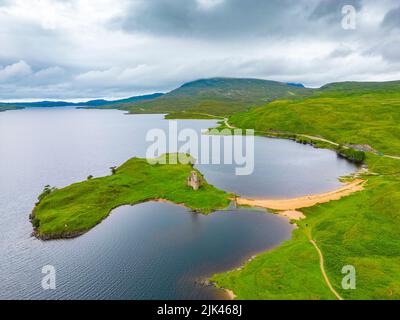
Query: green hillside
{"type": "Point", "coordinates": [360, 230]}
{"type": "Point", "coordinates": [219, 96]}
{"type": "Point", "coordinates": [347, 113]}
{"type": "Point", "coordinates": [356, 88]}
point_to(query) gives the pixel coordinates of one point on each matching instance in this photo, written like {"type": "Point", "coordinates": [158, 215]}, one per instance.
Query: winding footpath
{"type": "Point", "coordinates": [289, 207]}
{"type": "Point", "coordinates": [392, 157]}
{"type": "Point", "coordinates": [227, 124]}
{"type": "Point", "coordinates": [313, 138]}
{"type": "Point", "coordinates": [319, 139]}
{"type": "Point", "coordinates": [322, 267]}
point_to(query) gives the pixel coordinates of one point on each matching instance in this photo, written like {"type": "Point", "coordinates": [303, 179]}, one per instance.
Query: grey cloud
{"type": "Point", "coordinates": [21, 74]}
{"type": "Point", "coordinates": [230, 18]}
{"type": "Point", "coordinates": [4, 2]}
{"type": "Point", "coordinates": [391, 51]}
{"type": "Point", "coordinates": [392, 19]}
{"type": "Point", "coordinates": [341, 52]}
{"type": "Point", "coordinates": [156, 45]}
{"type": "Point", "coordinates": [332, 9]}
{"type": "Point", "coordinates": [15, 72]}
{"type": "Point", "coordinates": [238, 20]}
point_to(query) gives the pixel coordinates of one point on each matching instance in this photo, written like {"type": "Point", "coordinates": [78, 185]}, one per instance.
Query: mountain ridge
{"type": "Point", "coordinates": [90, 103]}
{"type": "Point", "coordinates": [219, 96]}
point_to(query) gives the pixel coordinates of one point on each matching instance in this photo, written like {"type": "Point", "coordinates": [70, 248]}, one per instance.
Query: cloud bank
{"type": "Point", "coordinates": [65, 49]}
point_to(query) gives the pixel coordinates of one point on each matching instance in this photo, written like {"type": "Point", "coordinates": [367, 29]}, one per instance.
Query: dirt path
{"type": "Point", "coordinates": [300, 135]}
{"type": "Point", "coordinates": [336, 144]}
{"type": "Point", "coordinates": [227, 124]}
{"type": "Point", "coordinates": [319, 139]}
{"type": "Point", "coordinates": [315, 138]}
{"type": "Point", "coordinates": [291, 205]}
{"type": "Point", "coordinates": [322, 266]}
{"type": "Point", "coordinates": [392, 157]}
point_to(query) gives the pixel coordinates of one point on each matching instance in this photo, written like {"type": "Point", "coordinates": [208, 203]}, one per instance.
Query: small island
{"type": "Point", "coordinates": [71, 211]}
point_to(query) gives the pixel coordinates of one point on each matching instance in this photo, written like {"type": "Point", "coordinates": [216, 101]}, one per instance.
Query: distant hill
{"type": "Point", "coordinates": [91, 103]}
{"type": "Point", "coordinates": [223, 97]}
{"type": "Point", "coordinates": [219, 96]}
{"type": "Point", "coordinates": [101, 102]}
{"type": "Point", "coordinates": [353, 87]}
{"type": "Point", "coordinates": [300, 85]}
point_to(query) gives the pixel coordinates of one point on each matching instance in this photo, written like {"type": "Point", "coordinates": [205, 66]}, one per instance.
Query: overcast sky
{"type": "Point", "coordinates": [67, 49]}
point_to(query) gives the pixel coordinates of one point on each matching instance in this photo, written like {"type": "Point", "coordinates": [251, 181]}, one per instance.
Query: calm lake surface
{"type": "Point", "coordinates": [149, 251]}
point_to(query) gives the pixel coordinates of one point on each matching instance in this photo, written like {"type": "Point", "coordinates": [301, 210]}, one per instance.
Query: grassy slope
{"type": "Point", "coordinates": [218, 96]}
{"type": "Point", "coordinates": [360, 230]}
{"type": "Point", "coordinates": [360, 119]}
{"type": "Point", "coordinates": [80, 206]}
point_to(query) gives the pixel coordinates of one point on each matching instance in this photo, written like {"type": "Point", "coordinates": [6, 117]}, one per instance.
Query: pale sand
{"type": "Point", "coordinates": [292, 214]}
{"type": "Point", "coordinates": [230, 293]}
{"type": "Point", "coordinates": [288, 207]}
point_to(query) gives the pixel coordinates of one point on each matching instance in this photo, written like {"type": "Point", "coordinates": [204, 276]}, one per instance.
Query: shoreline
{"type": "Point", "coordinates": [75, 234]}
{"type": "Point", "coordinates": [289, 208]}
{"type": "Point", "coordinates": [231, 294]}
{"type": "Point", "coordinates": [53, 218]}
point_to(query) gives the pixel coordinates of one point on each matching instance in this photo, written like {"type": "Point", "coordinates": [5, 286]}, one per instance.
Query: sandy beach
{"type": "Point", "coordinates": [289, 207]}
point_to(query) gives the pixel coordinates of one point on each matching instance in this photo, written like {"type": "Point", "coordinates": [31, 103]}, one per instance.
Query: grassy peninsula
{"type": "Point", "coordinates": [71, 211]}
{"type": "Point", "coordinates": [360, 230]}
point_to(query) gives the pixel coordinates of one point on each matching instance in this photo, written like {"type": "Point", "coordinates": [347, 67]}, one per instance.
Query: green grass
{"type": "Point", "coordinates": [190, 115]}
{"type": "Point", "coordinates": [371, 119]}
{"type": "Point", "coordinates": [79, 207]}
{"type": "Point", "coordinates": [360, 230]}
{"type": "Point", "coordinates": [351, 88]}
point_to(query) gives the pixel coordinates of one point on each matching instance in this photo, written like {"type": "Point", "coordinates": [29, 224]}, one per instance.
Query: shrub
{"type": "Point", "coordinates": [352, 154]}
{"type": "Point", "coordinates": [46, 191]}
{"type": "Point", "coordinates": [35, 222]}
